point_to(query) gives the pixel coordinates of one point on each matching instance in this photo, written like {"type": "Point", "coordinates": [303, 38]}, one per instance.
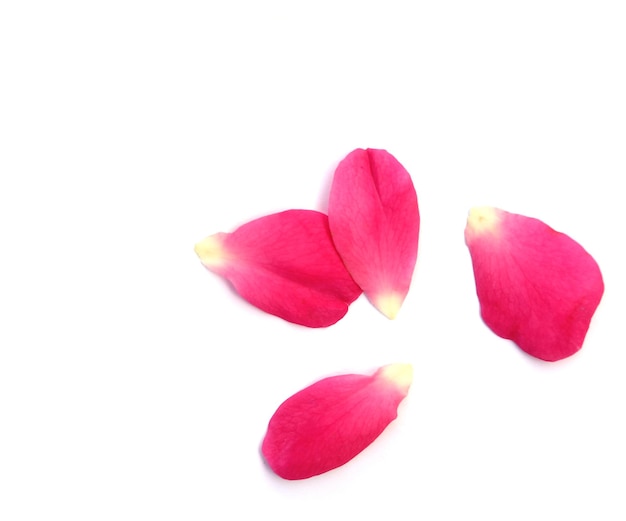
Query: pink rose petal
{"type": "Point", "coordinates": [374, 220]}
{"type": "Point", "coordinates": [285, 264]}
{"type": "Point", "coordinates": [536, 286]}
{"type": "Point", "coordinates": [328, 423]}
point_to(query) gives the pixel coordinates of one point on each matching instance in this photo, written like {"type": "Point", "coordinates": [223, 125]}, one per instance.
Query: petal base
{"type": "Point", "coordinates": [388, 304]}
{"type": "Point", "coordinates": [210, 250]}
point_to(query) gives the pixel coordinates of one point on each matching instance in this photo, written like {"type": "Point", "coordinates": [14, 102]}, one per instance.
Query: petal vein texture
{"type": "Point", "coordinates": [536, 286]}
{"type": "Point", "coordinates": [328, 423]}
{"type": "Point", "coordinates": [285, 264]}
{"type": "Point", "coordinates": [374, 220]}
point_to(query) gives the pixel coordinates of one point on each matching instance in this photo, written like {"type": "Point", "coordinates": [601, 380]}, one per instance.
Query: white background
{"type": "Point", "coordinates": [134, 384]}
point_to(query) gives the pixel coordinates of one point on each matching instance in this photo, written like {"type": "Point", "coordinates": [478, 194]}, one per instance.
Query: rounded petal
{"type": "Point", "coordinates": [285, 264]}
{"type": "Point", "coordinates": [328, 423]}
{"type": "Point", "coordinates": [374, 220]}
{"type": "Point", "coordinates": [536, 286]}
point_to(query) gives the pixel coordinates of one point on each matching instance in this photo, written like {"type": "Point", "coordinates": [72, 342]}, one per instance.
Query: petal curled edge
{"type": "Point", "coordinates": [536, 286]}
{"type": "Point", "coordinates": [328, 423]}
{"type": "Point", "coordinates": [374, 220]}
{"type": "Point", "coordinates": [285, 264]}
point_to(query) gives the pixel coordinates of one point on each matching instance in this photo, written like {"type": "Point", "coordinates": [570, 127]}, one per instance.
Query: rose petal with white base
{"type": "Point", "coordinates": [536, 286]}
{"type": "Point", "coordinates": [328, 423]}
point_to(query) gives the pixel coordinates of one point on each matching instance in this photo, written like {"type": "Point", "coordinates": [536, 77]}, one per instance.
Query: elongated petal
{"type": "Point", "coordinates": [328, 423]}
{"type": "Point", "coordinates": [374, 220]}
{"type": "Point", "coordinates": [536, 286]}
{"type": "Point", "coordinates": [285, 264]}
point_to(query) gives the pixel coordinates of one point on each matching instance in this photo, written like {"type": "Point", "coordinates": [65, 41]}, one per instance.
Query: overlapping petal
{"type": "Point", "coordinates": [328, 423]}
{"type": "Point", "coordinates": [285, 264]}
{"type": "Point", "coordinates": [374, 220]}
{"type": "Point", "coordinates": [536, 286]}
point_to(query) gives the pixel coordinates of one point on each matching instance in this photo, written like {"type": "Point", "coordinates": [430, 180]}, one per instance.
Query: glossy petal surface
{"type": "Point", "coordinates": [374, 219]}
{"type": "Point", "coordinates": [328, 423]}
{"type": "Point", "coordinates": [285, 264]}
{"type": "Point", "coordinates": [536, 286]}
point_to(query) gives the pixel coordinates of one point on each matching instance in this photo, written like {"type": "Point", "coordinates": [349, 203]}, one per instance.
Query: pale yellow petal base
{"type": "Point", "coordinates": [483, 219]}
{"type": "Point", "coordinates": [400, 375]}
{"type": "Point", "coordinates": [389, 304]}
{"type": "Point", "coordinates": [211, 251]}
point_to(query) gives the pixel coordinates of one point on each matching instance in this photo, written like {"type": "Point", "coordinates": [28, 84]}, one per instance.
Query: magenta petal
{"type": "Point", "coordinates": [285, 264]}
{"type": "Point", "coordinates": [536, 286]}
{"type": "Point", "coordinates": [328, 423]}
{"type": "Point", "coordinates": [374, 220]}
